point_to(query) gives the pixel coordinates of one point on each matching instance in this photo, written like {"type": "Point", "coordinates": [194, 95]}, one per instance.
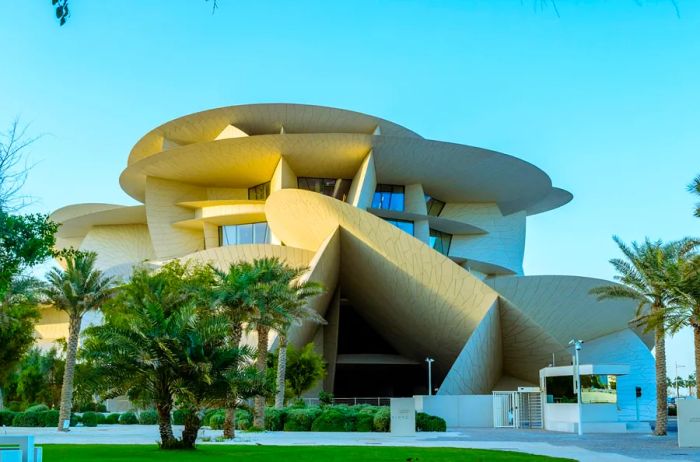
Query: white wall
{"type": "Point", "coordinates": [459, 410]}
{"type": "Point", "coordinates": [626, 348]}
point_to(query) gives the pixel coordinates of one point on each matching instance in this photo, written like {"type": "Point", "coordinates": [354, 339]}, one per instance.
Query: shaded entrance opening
{"type": "Point", "coordinates": [368, 366]}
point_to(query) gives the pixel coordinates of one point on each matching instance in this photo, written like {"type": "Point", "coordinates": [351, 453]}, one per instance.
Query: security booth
{"type": "Point", "coordinates": [599, 409]}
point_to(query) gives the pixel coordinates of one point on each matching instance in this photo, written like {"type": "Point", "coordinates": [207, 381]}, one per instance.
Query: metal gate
{"type": "Point", "coordinates": [512, 409]}
{"type": "Point", "coordinates": [529, 410]}
{"type": "Point", "coordinates": [505, 409]}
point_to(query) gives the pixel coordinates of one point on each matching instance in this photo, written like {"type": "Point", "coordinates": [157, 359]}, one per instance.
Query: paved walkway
{"type": "Point", "coordinates": [588, 448]}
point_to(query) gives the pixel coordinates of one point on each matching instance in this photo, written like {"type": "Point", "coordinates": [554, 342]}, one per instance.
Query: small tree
{"type": "Point", "coordinates": [694, 187]}
{"type": "Point", "coordinates": [305, 368]}
{"type": "Point", "coordinates": [76, 290]}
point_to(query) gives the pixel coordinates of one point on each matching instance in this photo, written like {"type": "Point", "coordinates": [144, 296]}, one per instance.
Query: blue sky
{"type": "Point", "coordinates": [604, 97]}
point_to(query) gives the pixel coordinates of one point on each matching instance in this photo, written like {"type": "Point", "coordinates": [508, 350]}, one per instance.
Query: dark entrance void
{"type": "Point", "coordinates": [368, 366]}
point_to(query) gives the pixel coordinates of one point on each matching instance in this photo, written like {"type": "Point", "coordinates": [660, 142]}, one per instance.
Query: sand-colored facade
{"type": "Point", "coordinates": [419, 243]}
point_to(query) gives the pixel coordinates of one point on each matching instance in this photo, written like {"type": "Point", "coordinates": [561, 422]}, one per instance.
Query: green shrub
{"type": "Point", "coordinates": [148, 417]}
{"type": "Point", "coordinates": [101, 407]}
{"type": "Point", "coordinates": [112, 418]}
{"type": "Point", "coordinates": [128, 418]}
{"type": "Point", "coordinates": [274, 419]}
{"type": "Point", "coordinates": [6, 418]}
{"type": "Point", "coordinates": [382, 420]}
{"type": "Point", "coordinates": [37, 408]}
{"type": "Point", "coordinates": [244, 419]}
{"type": "Point", "coordinates": [325, 398]}
{"type": "Point", "coordinates": [216, 422]}
{"type": "Point", "coordinates": [75, 419]}
{"type": "Point", "coordinates": [89, 419]}
{"type": "Point", "coordinates": [334, 419]}
{"type": "Point", "coordinates": [430, 423]}
{"type": "Point", "coordinates": [49, 418]}
{"type": "Point", "coordinates": [208, 415]}
{"type": "Point", "coordinates": [101, 418]}
{"type": "Point", "coordinates": [26, 419]}
{"type": "Point", "coordinates": [300, 419]}
{"type": "Point", "coordinates": [364, 422]}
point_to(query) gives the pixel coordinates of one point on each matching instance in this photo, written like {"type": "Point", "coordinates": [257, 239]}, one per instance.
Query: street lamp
{"type": "Point", "coordinates": [577, 382]}
{"type": "Point", "coordinates": [430, 361]}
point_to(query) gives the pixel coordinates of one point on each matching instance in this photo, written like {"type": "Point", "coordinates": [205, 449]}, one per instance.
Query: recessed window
{"type": "Point", "coordinates": [259, 192]}
{"type": "Point", "coordinates": [596, 389]}
{"type": "Point", "coordinates": [440, 241]}
{"type": "Point", "coordinates": [404, 225]}
{"type": "Point", "coordinates": [434, 206]}
{"type": "Point", "coordinates": [249, 233]}
{"type": "Point", "coordinates": [389, 197]}
{"type": "Point", "coordinates": [337, 188]}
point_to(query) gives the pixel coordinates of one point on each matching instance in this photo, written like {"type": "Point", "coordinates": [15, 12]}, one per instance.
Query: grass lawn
{"type": "Point", "coordinates": [213, 453]}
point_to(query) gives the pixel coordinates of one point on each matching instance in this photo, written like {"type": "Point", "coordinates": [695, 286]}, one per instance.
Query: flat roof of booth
{"type": "Point", "coordinates": [586, 369]}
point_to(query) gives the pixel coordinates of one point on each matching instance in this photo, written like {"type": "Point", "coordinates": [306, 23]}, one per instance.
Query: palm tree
{"type": "Point", "coordinates": [296, 311]}
{"type": "Point", "coordinates": [690, 382]}
{"type": "Point", "coordinates": [687, 310]}
{"type": "Point", "coordinates": [647, 275]}
{"type": "Point", "coordinates": [232, 294]}
{"type": "Point", "coordinates": [694, 187]}
{"type": "Point", "coordinates": [267, 297]}
{"type": "Point", "coordinates": [76, 290]}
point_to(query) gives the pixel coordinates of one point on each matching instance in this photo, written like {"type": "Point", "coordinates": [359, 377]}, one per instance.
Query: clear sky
{"type": "Point", "coordinates": [604, 96]}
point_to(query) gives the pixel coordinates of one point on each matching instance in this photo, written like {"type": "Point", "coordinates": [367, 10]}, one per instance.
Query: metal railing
{"type": "Point", "coordinates": [374, 401]}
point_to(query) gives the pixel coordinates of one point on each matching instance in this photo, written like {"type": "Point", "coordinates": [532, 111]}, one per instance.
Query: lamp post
{"type": "Point", "coordinates": [430, 361]}
{"type": "Point", "coordinates": [577, 382]}
{"type": "Point", "coordinates": [675, 379]}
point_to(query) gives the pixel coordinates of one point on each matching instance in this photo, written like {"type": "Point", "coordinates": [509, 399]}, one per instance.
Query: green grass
{"type": "Point", "coordinates": [215, 453]}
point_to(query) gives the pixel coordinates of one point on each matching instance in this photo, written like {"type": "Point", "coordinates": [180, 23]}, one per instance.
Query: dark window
{"type": "Point", "coordinates": [596, 389]}
{"type": "Point", "coordinates": [434, 206]}
{"type": "Point", "coordinates": [389, 197]}
{"type": "Point", "coordinates": [249, 233]}
{"type": "Point", "coordinates": [337, 188]}
{"type": "Point", "coordinates": [404, 225]}
{"type": "Point", "coordinates": [440, 241]}
{"type": "Point", "coordinates": [259, 192]}
{"type": "Point", "coordinates": [560, 389]}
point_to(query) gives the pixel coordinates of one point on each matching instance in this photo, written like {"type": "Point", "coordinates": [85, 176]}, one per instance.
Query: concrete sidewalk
{"type": "Point", "coordinates": [589, 448]}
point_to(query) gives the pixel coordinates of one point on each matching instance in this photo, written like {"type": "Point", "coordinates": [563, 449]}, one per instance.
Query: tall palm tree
{"type": "Point", "coordinates": [694, 187]}
{"type": "Point", "coordinates": [77, 289]}
{"type": "Point", "coordinates": [295, 311]}
{"type": "Point", "coordinates": [232, 294]}
{"type": "Point", "coordinates": [267, 297]}
{"type": "Point", "coordinates": [647, 275]}
{"type": "Point", "coordinates": [687, 310]}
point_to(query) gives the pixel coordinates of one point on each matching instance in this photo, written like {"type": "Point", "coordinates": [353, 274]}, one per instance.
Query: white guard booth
{"type": "Point", "coordinates": [688, 423]}
{"type": "Point", "coordinates": [599, 410]}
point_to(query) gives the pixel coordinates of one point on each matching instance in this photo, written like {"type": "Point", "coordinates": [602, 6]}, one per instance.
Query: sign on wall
{"type": "Point", "coordinates": [403, 416]}
{"type": "Point", "coordinates": [688, 423]}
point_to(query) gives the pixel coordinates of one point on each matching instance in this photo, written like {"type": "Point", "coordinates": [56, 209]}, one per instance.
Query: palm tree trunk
{"type": "Point", "coordinates": [67, 387]}
{"type": "Point", "coordinates": [661, 390]}
{"type": "Point", "coordinates": [696, 340]}
{"type": "Point", "coordinates": [261, 364]}
{"type": "Point", "coordinates": [165, 427]}
{"type": "Point", "coordinates": [230, 419]}
{"type": "Point", "coordinates": [281, 370]}
{"type": "Point", "coordinates": [230, 423]}
{"type": "Point", "coordinates": [192, 425]}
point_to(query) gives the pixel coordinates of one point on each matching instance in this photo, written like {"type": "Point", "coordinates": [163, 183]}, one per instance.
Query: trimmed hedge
{"type": "Point", "coordinates": [49, 418]}
{"type": "Point", "coordinates": [112, 418]}
{"type": "Point", "coordinates": [128, 418]}
{"type": "Point", "coordinates": [334, 419]}
{"type": "Point", "coordinates": [148, 418]}
{"type": "Point", "coordinates": [300, 419]}
{"type": "Point", "coordinates": [101, 418]}
{"type": "Point", "coordinates": [430, 423]}
{"type": "Point", "coordinates": [382, 420]}
{"type": "Point", "coordinates": [89, 419]}
{"type": "Point", "coordinates": [216, 421]}
{"type": "Point", "coordinates": [364, 422]}
{"type": "Point", "coordinates": [274, 419]}
{"type": "Point", "coordinates": [27, 419]}
{"type": "Point", "coordinates": [37, 408]}
{"type": "Point", "coordinates": [244, 419]}
{"type": "Point", "coordinates": [6, 418]}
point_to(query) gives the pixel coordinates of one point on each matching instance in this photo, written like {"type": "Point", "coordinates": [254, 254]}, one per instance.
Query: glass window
{"type": "Point", "coordinates": [440, 241]}
{"type": "Point", "coordinates": [434, 206]}
{"type": "Point", "coordinates": [259, 192]}
{"type": "Point", "coordinates": [389, 197]}
{"type": "Point", "coordinates": [597, 389]}
{"type": "Point", "coordinates": [404, 225]}
{"type": "Point", "coordinates": [337, 188]}
{"type": "Point", "coordinates": [249, 233]}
